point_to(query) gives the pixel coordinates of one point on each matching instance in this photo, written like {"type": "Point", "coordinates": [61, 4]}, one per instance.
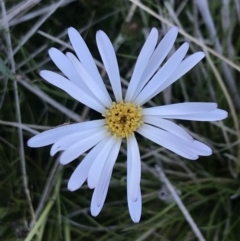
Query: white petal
{"type": "Point", "coordinates": [129, 165]}
{"type": "Point", "coordinates": [195, 146]}
{"type": "Point", "coordinates": [141, 63]}
{"type": "Point", "coordinates": [135, 208]}
{"type": "Point", "coordinates": [168, 126]}
{"type": "Point", "coordinates": [88, 80]}
{"type": "Point", "coordinates": [214, 115]}
{"type": "Point", "coordinates": [80, 147]}
{"type": "Point", "coordinates": [95, 209]}
{"type": "Point", "coordinates": [50, 136]}
{"type": "Point", "coordinates": [201, 149]}
{"type": "Point", "coordinates": [168, 140]}
{"type": "Point", "coordinates": [110, 62]}
{"type": "Point", "coordinates": [86, 58]}
{"type": "Point", "coordinates": [135, 174]}
{"type": "Point", "coordinates": [97, 167]}
{"type": "Point", "coordinates": [162, 75]}
{"type": "Point", "coordinates": [180, 109]}
{"type": "Point", "coordinates": [182, 69]}
{"type": "Point", "coordinates": [72, 89]}
{"type": "Point", "coordinates": [106, 172]}
{"type": "Point", "coordinates": [157, 58]}
{"type": "Point", "coordinates": [65, 65]}
{"type": "Point", "coordinates": [80, 174]}
{"type": "Point", "coordinates": [65, 142]}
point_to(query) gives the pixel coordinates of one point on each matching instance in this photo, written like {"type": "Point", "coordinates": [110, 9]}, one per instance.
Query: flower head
{"type": "Point", "coordinates": [122, 117]}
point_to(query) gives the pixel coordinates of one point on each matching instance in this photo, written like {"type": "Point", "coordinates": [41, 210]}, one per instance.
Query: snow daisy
{"type": "Point", "coordinates": [122, 116]}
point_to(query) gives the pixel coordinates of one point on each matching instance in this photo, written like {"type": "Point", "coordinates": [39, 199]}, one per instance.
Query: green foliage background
{"type": "Point", "coordinates": [208, 187]}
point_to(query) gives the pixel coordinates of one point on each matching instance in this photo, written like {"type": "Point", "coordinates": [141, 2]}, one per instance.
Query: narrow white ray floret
{"type": "Point", "coordinates": [145, 54]}
{"type": "Point", "coordinates": [122, 117]}
{"type": "Point", "coordinates": [156, 59]}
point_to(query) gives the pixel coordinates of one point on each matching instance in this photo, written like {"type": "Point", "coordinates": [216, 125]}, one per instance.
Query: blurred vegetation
{"type": "Point", "coordinates": [209, 187]}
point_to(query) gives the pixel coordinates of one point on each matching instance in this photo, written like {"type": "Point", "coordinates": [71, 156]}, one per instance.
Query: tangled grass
{"type": "Point", "coordinates": [182, 200]}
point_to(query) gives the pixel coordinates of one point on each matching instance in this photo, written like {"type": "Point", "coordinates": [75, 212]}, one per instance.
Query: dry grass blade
{"type": "Point", "coordinates": [51, 101]}
{"type": "Point", "coordinates": [189, 37]}
{"type": "Point", "coordinates": [36, 13]}
{"type": "Point", "coordinates": [37, 25]}
{"type": "Point", "coordinates": [207, 18]}
{"type": "Point", "coordinates": [18, 10]}
{"type": "Point", "coordinates": [18, 115]}
{"type": "Point", "coordinates": [203, 193]}
{"type": "Point", "coordinates": [178, 201]}
{"type": "Point", "coordinates": [19, 125]}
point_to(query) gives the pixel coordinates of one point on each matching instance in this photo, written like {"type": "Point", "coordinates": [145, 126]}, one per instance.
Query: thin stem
{"type": "Point", "coordinates": [188, 36]}
{"type": "Point", "coordinates": [46, 211]}
{"type": "Point", "coordinates": [18, 113]}
{"type": "Point", "coordinates": [51, 181]}
{"type": "Point", "coordinates": [180, 204]}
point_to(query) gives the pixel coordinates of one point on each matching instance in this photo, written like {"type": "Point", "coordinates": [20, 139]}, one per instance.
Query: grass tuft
{"type": "Point", "coordinates": [182, 200]}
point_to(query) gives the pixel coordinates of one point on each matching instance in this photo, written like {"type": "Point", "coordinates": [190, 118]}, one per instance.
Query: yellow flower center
{"type": "Point", "coordinates": [122, 119]}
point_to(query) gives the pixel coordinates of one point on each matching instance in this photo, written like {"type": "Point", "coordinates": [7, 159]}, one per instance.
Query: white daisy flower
{"type": "Point", "coordinates": [122, 115]}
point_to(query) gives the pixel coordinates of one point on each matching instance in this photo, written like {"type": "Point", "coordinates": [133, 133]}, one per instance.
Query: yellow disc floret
{"type": "Point", "coordinates": [122, 119]}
